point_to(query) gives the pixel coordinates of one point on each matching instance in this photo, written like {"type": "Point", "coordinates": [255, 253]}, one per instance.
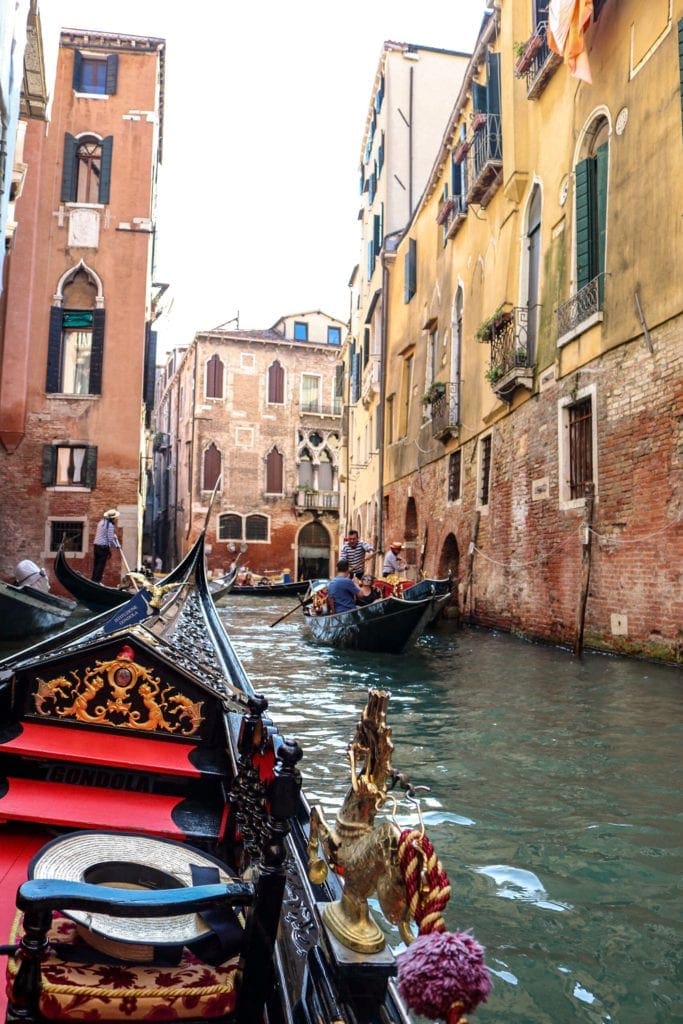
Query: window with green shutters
{"type": "Point", "coordinates": [86, 169]}
{"type": "Point", "coordinates": [591, 218]}
{"type": "Point", "coordinates": [69, 465]}
{"type": "Point", "coordinates": [75, 351]}
{"type": "Point", "coordinates": [410, 271]}
{"type": "Point", "coordinates": [96, 74]}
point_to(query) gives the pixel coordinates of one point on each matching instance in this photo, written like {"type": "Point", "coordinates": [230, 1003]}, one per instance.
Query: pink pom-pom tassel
{"type": "Point", "coordinates": [443, 975]}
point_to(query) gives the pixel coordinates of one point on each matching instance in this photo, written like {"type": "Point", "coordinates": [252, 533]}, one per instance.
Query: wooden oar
{"type": "Point", "coordinates": [301, 604]}
{"type": "Point", "coordinates": [127, 567]}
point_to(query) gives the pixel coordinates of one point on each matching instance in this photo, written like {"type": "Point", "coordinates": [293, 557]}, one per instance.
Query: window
{"type": "Point", "coordinates": [338, 397]}
{"type": "Point", "coordinates": [69, 532]}
{"type": "Point", "coordinates": [390, 419]}
{"type": "Point", "coordinates": [591, 209]}
{"type": "Point", "coordinates": [75, 351]}
{"type": "Point", "coordinates": [229, 526]}
{"type": "Point", "coordinates": [211, 469]}
{"type": "Point", "coordinates": [95, 73]}
{"type": "Point", "coordinates": [578, 446]}
{"type": "Point", "coordinates": [300, 330]}
{"type": "Point", "coordinates": [214, 377]}
{"type": "Point", "coordinates": [86, 170]}
{"type": "Point", "coordinates": [305, 469]}
{"type": "Point", "coordinates": [454, 475]}
{"type": "Point", "coordinates": [334, 335]}
{"type": "Point", "coordinates": [410, 271]}
{"type": "Point", "coordinates": [69, 465]}
{"type": "Point", "coordinates": [310, 393]}
{"type": "Point", "coordinates": [406, 393]}
{"type": "Point", "coordinates": [276, 384]}
{"type": "Point", "coordinates": [274, 472]}
{"type": "Point", "coordinates": [533, 264]}
{"type": "Point", "coordinates": [257, 528]}
{"type": "Point", "coordinates": [484, 472]}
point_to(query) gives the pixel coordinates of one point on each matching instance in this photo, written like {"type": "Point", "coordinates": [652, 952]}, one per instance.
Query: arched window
{"type": "Point", "coordinates": [410, 529]}
{"type": "Point", "coordinates": [257, 528]}
{"type": "Point", "coordinates": [214, 377]}
{"type": "Point", "coordinates": [325, 471]}
{"type": "Point", "coordinates": [276, 384]}
{"type": "Point", "coordinates": [86, 168]}
{"type": "Point", "coordinates": [591, 207]}
{"type": "Point", "coordinates": [274, 472]}
{"type": "Point", "coordinates": [76, 340]}
{"type": "Point", "coordinates": [229, 526]}
{"type": "Point", "coordinates": [212, 467]}
{"type": "Point", "coordinates": [305, 469]}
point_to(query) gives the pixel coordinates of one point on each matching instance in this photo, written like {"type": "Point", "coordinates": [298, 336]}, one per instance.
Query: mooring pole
{"type": "Point", "coordinates": [467, 586]}
{"type": "Point", "coordinates": [585, 566]}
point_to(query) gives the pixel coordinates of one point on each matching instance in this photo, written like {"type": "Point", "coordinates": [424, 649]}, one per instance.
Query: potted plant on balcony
{"type": "Point", "coordinates": [434, 392]}
{"type": "Point", "coordinates": [494, 373]}
{"type": "Point", "coordinates": [525, 53]}
{"type": "Point", "coordinates": [487, 328]}
{"type": "Point", "coordinates": [444, 210]}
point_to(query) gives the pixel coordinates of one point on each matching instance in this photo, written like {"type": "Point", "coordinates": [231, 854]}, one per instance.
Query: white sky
{"type": "Point", "coordinates": [265, 107]}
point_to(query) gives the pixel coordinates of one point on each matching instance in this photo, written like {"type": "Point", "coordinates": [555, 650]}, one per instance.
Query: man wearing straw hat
{"type": "Point", "coordinates": [394, 564]}
{"type": "Point", "coordinates": [105, 540]}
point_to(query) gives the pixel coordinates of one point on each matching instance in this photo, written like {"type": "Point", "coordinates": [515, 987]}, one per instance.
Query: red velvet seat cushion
{"type": "Point", "coordinates": [114, 992]}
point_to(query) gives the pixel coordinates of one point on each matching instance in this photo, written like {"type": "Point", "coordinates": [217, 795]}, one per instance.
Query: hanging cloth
{"type": "Point", "coordinates": [567, 23]}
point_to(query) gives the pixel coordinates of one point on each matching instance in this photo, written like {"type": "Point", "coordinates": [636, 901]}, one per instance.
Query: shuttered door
{"type": "Point", "coordinates": [586, 240]}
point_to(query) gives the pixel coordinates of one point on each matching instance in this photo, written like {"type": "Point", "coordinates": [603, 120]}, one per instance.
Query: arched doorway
{"type": "Point", "coordinates": [313, 560]}
{"type": "Point", "coordinates": [449, 562]}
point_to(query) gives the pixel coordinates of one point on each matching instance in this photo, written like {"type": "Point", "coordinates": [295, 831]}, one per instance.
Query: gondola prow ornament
{"type": "Point", "coordinates": [442, 975]}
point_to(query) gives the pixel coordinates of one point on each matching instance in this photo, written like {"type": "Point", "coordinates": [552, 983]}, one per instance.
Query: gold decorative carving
{"type": "Point", "coordinates": [121, 694]}
{"type": "Point", "coordinates": [365, 855]}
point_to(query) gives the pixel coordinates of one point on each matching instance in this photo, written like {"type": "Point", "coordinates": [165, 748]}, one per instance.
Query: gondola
{"type": "Point", "coordinates": [389, 626]}
{"type": "Point", "coordinates": [26, 611]}
{"type": "Point", "coordinates": [169, 866]}
{"type": "Point", "coordinates": [222, 585]}
{"type": "Point", "coordinates": [438, 589]}
{"type": "Point", "coordinates": [270, 589]}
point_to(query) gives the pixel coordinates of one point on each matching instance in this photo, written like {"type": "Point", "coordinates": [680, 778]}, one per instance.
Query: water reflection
{"type": "Point", "coordinates": [554, 800]}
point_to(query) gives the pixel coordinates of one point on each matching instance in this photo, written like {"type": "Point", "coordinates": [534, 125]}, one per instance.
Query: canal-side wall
{"type": "Point", "coordinates": [527, 561]}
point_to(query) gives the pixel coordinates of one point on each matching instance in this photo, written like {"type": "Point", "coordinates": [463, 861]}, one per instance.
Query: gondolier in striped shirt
{"type": "Point", "coordinates": [356, 552]}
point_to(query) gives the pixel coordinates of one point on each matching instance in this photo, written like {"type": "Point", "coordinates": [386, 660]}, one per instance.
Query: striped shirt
{"type": "Point", "coordinates": [355, 556]}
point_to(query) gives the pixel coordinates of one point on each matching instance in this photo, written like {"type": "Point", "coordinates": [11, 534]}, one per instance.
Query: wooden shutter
{"type": "Point", "coordinates": [585, 222]}
{"type": "Point", "coordinates": [76, 79]}
{"type": "Point", "coordinates": [54, 349]}
{"type": "Point", "coordinates": [274, 465]}
{"type": "Point", "coordinates": [212, 467]}
{"type": "Point", "coordinates": [410, 271]}
{"type": "Point", "coordinates": [112, 74]}
{"type": "Point", "coordinates": [49, 468]}
{"type": "Point", "coordinates": [105, 169]}
{"type": "Point", "coordinates": [456, 178]}
{"type": "Point", "coordinates": [97, 353]}
{"type": "Point", "coordinates": [214, 377]}
{"type": "Point", "coordinates": [68, 194]}
{"type": "Point", "coordinates": [479, 98]}
{"type": "Point", "coordinates": [601, 212]}
{"type": "Point", "coordinates": [494, 125]}
{"type": "Point", "coordinates": [90, 466]}
{"type": "Point", "coordinates": [276, 383]}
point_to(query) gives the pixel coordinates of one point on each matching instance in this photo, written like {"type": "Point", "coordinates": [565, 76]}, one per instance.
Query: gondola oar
{"type": "Point", "coordinates": [301, 604]}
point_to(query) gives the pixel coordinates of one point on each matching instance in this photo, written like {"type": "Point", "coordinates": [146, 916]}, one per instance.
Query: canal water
{"type": "Point", "coordinates": [554, 800]}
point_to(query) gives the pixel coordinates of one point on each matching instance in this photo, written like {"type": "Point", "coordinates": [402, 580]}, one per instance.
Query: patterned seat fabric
{"type": "Point", "coordinates": [109, 991]}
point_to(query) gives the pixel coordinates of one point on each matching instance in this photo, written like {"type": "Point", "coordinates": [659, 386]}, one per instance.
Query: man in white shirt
{"type": "Point", "coordinates": [394, 564]}
{"type": "Point", "coordinates": [105, 540]}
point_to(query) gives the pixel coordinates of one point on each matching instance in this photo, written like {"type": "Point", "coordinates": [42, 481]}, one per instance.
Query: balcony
{"type": "Point", "coordinates": [445, 409]}
{"type": "Point", "coordinates": [581, 311]}
{"type": "Point", "coordinates": [485, 158]}
{"type": "Point", "coordinates": [537, 62]}
{"type": "Point", "coordinates": [512, 362]}
{"type": "Point", "coordinates": [452, 213]}
{"type": "Point", "coordinates": [314, 407]}
{"type": "Point", "coordinates": [319, 501]}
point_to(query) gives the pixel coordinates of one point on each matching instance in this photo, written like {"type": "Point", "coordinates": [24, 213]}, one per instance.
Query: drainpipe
{"type": "Point", "coordinates": [190, 467]}
{"type": "Point", "coordinates": [410, 141]}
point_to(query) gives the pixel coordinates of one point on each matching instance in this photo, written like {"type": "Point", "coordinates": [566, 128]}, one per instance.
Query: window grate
{"type": "Point", "coordinates": [580, 447]}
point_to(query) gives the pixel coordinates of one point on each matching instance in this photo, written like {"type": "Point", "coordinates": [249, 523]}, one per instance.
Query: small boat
{"type": "Point", "coordinates": [222, 585]}
{"type": "Point", "coordinates": [388, 626]}
{"type": "Point", "coordinates": [267, 589]}
{"type": "Point", "coordinates": [27, 611]}
{"type": "Point", "coordinates": [440, 591]}
{"type": "Point", "coordinates": [146, 797]}
{"type": "Point", "coordinates": [95, 596]}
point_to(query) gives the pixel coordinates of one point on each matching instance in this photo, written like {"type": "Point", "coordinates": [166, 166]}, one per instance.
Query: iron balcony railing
{"type": "Point", "coordinates": [445, 410]}
{"type": "Point", "coordinates": [485, 155]}
{"type": "Point", "coordinates": [316, 408]}
{"type": "Point", "coordinates": [538, 62]}
{"type": "Point", "coordinates": [580, 307]}
{"type": "Point", "coordinates": [510, 342]}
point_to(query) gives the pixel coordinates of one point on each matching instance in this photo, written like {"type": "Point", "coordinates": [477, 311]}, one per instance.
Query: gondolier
{"type": "Point", "coordinates": [105, 540]}
{"type": "Point", "coordinates": [356, 552]}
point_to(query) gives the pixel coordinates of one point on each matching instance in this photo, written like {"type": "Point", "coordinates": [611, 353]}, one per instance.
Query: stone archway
{"type": "Point", "coordinates": [313, 554]}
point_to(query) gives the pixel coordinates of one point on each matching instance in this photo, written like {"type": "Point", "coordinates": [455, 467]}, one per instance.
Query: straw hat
{"type": "Point", "coordinates": [397, 544]}
{"type": "Point", "coordinates": [127, 861]}
{"type": "Point", "coordinates": [111, 513]}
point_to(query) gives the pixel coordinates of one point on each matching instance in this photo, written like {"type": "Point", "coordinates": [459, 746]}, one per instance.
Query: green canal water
{"type": "Point", "coordinates": [554, 801]}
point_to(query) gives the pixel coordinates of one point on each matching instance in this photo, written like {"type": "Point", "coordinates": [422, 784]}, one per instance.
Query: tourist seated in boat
{"type": "Point", "coordinates": [367, 593]}
{"type": "Point", "coordinates": [319, 599]}
{"type": "Point", "coordinates": [28, 574]}
{"type": "Point", "coordinates": [342, 591]}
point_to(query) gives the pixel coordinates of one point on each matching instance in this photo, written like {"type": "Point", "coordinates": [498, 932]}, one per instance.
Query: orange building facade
{"type": "Point", "coordinates": [77, 348]}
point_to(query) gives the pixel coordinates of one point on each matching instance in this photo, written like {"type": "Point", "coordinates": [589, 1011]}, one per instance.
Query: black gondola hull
{"type": "Point", "coordinates": [389, 626]}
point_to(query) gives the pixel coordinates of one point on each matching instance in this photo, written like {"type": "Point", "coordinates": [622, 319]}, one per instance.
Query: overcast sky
{"type": "Point", "coordinates": [265, 106]}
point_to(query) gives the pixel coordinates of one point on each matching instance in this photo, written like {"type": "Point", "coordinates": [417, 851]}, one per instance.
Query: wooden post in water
{"type": "Point", "coordinates": [467, 586]}
{"type": "Point", "coordinates": [585, 567]}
